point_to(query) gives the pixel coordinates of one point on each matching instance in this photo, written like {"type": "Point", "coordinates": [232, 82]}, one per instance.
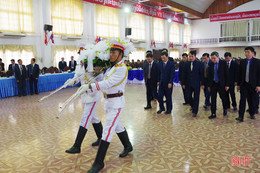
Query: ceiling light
{"type": "Point", "coordinates": [126, 10]}
{"type": "Point", "coordinates": [169, 20]}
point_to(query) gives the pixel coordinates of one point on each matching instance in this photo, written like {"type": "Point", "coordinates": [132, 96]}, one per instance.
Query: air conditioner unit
{"type": "Point", "coordinates": [12, 35]}
{"type": "Point", "coordinates": [66, 37]}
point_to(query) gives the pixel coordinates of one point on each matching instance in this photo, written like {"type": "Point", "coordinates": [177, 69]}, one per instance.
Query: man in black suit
{"type": "Point", "coordinates": [257, 95]}
{"type": "Point", "coordinates": [33, 74]}
{"type": "Point", "coordinates": [248, 83]}
{"type": "Point", "coordinates": [233, 75]}
{"type": "Point", "coordinates": [192, 80]}
{"type": "Point", "coordinates": [151, 77]}
{"type": "Point", "coordinates": [181, 69]}
{"type": "Point", "coordinates": [218, 83]}
{"type": "Point", "coordinates": [21, 76]}
{"type": "Point", "coordinates": [207, 63]}
{"type": "Point", "coordinates": [62, 64]}
{"type": "Point", "coordinates": [12, 66]}
{"type": "Point", "coordinates": [2, 65]}
{"type": "Point", "coordinates": [72, 64]}
{"type": "Point", "coordinates": [166, 76]}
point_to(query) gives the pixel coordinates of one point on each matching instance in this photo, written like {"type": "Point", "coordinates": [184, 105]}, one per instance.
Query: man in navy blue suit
{"type": "Point", "coordinates": [192, 80]}
{"type": "Point", "coordinates": [166, 76]}
{"type": "Point", "coordinates": [33, 74]}
{"type": "Point", "coordinates": [21, 77]}
{"type": "Point", "coordinates": [181, 69]}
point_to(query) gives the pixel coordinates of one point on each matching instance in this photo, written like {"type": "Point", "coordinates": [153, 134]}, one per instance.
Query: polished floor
{"type": "Point", "coordinates": [33, 140]}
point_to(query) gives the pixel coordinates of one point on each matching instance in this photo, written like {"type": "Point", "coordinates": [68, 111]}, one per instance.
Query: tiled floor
{"type": "Point", "coordinates": [33, 140]}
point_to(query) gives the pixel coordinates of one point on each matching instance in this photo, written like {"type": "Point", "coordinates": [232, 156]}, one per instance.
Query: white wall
{"type": "Point", "coordinates": [42, 15]}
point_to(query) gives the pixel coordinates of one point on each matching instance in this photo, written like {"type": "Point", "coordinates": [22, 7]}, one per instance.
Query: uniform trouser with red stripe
{"type": "Point", "coordinates": [89, 115]}
{"type": "Point", "coordinates": [113, 124]}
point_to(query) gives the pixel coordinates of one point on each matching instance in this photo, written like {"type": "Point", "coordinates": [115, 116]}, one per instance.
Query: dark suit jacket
{"type": "Point", "coordinates": [181, 69]}
{"type": "Point", "coordinates": [254, 73]}
{"type": "Point", "coordinates": [166, 75]}
{"type": "Point", "coordinates": [193, 78]}
{"type": "Point", "coordinates": [206, 79]}
{"type": "Point", "coordinates": [18, 75]}
{"type": "Point", "coordinates": [3, 66]}
{"type": "Point", "coordinates": [233, 72]}
{"type": "Point", "coordinates": [33, 72]}
{"type": "Point", "coordinates": [75, 63]}
{"type": "Point", "coordinates": [222, 74]}
{"type": "Point", "coordinates": [154, 72]}
{"type": "Point", "coordinates": [62, 65]}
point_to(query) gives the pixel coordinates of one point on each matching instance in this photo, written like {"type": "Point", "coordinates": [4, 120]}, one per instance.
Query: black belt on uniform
{"type": "Point", "coordinates": [108, 96]}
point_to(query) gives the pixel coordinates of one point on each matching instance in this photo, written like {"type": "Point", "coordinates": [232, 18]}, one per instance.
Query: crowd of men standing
{"type": "Point", "coordinates": [213, 75]}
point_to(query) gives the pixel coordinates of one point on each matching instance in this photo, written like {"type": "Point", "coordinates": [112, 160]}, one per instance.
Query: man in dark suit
{"type": "Point", "coordinates": [248, 83]}
{"type": "Point", "coordinates": [218, 83]}
{"type": "Point", "coordinates": [2, 65]}
{"type": "Point", "coordinates": [72, 64]}
{"type": "Point", "coordinates": [192, 80]}
{"type": "Point", "coordinates": [207, 63]}
{"type": "Point", "coordinates": [21, 76]}
{"type": "Point", "coordinates": [166, 76]}
{"type": "Point", "coordinates": [233, 75]}
{"type": "Point", "coordinates": [151, 77]}
{"type": "Point", "coordinates": [33, 74]}
{"type": "Point", "coordinates": [181, 69]}
{"type": "Point", "coordinates": [11, 66]}
{"type": "Point", "coordinates": [62, 64]}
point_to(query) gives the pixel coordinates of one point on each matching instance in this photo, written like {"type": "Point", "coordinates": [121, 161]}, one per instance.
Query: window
{"type": "Point", "coordinates": [234, 29]}
{"type": "Point", "coordinates": [16, 16]}
{"type": "Point", "coordinates": [107, 22]}
{"type": "Point", "coordinates": [187, 34]}
{"type": "Point", "coordinates": [63, 51]}
{"type": "Point", "coordinates": [158, 30]}
{"type": "Point", "coordinates": [138, 54]}
{"type": "Point", "coordinates": [174, 33]}
{"type": "Point", "coordinates": [67, 17]}
{"type": "Point", "coordinates": [175, 53]}
{"type": "Point", "coordinates": [23, 52]}
{"type": "Point", "coordinates": [137, 23]}
{"type": "Point", "coordinates": [256, 28]}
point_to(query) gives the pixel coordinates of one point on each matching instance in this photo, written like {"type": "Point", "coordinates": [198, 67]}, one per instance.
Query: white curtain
{"type": "Point", "coordinates": [137, 23]}
{"type": "Point", "coordinates": [107, 22]}
{"type": "Point", "coordinates": [187, 34]}
{"type": "Point", "coordinates": [138, 54]}
{"type": "Point", "coordinates": [175, 53]}
{"type": "Point", "coordinates": [235, 29]}
{"type": "Point", "coordinates": [256, 27]}
{"type": "Point", "coordinates": [174, 33]}
{"type": "Point", "coordinates": [67, 17]}
{"type": "Point", "coordinates": [59, 51]}
{"type": "Point", "coordinates": [158, 26]}
{"type": "Point", "coordinates": [16, 16]}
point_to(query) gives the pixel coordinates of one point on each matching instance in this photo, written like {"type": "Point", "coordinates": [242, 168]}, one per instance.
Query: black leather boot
{"type": "Point", "coordinates": [99, 161]}
{"type": "Point", "coordinates": [77, 145]}
{"type": "Point", "coordinates": [123, 136]}
{"type": "Point", "coordinates": [98, 129]}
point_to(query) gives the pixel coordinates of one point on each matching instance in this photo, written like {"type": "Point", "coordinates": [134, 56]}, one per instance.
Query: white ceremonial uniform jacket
{"type": "Point", "coordinates": [93, 96]}
{"type": "Point", "coordinates": [114, 82]}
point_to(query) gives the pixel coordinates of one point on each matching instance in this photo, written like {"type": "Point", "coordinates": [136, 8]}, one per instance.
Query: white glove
{"type": "Point", "coordinates": [69, 82]}
{"type": "Point", "coordinates": [83, 89]}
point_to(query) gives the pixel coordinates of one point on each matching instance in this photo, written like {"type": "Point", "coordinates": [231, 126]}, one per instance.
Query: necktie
{"type": "Point", "coordinates": [191, 66]}
{"type": "Point", "coordinates": [247, 72]}
{"type": "Point", "coordinates": [164, 64]}
{"type": "Point", "coordinates": [72, 64]}
{"type": "Point", "coordinates": [149, 73]}
{"type": "Point", "coordinates": [21, 69]}
{"type": "Point", "coordinates": [205, 70]}
{"type": "Point", "coordinates": [216, 72]}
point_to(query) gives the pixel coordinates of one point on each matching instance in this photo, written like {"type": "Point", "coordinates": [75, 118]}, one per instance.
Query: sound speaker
{"type": "Point", "coordinates": [128, 31]}
{"type": "Point", "coordinates": [47, 27]}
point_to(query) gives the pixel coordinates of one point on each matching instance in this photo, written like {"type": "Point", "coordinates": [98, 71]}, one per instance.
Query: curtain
{"type": "Point", "coordinates": [137, 23]}
{"type": "Point", "coordinates": [66, 51]}
{"type": "Point", "coordinates": [23, 52]}
{"type": "Point", "coordinates": [138, 54]}
{"type": "Point", "coordinates": [16, 16]}
{"type": "Point", "coordinates": [158, 26]}
{"type": "Point", "coordinates": [256, 27]}
{"type": "Point", "coordinates": [107, 22]}
{"type": "Point", "coordinates": [67, 17]}
{"type": "Point", "coordinates": [174, 33]}
{"type": "Point", "coordinates": [234, 29]}
{"type": "Point", "coordinates": [175, 53]}
{"type": "Point", "coordinates": [187, 34]}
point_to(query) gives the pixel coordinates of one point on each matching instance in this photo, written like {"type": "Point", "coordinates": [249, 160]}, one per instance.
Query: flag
{"type": "Point", "coordinates": [171, 44]}
{"type": "Point", "coordinates": [185, 46]}
{"type": "Point", "coordinates": [52, 40]}
{"type": "Point", "coordinates": [45, 40]}
{"type": "Point", "coordinates": [98, 39]}
{"type": "Point", "coordinates": [153, 44]}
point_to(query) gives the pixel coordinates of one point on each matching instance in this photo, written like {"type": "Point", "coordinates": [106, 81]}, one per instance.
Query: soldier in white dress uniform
{"type": "Point", "coordinates": [90, 101]}
{"type": "Point", "coordinates": [113, 86]}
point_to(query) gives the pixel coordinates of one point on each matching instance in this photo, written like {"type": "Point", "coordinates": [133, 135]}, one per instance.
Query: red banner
{"type": "Point", "coordinates": [141, 9]}
{"type": "Point", "coordinates": [235, 16]}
